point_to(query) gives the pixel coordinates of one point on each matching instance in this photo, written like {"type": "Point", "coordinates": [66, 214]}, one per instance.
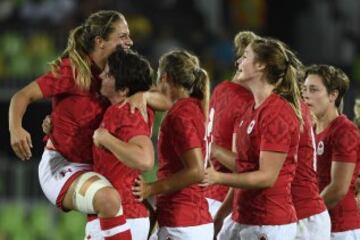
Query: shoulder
{"type": "Point", "coordinates": [276, 107]}
{"type": "Point", "coordinates": [342, 125]}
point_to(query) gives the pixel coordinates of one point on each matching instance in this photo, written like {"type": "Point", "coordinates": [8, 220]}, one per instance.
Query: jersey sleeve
{"type": "Point", "coordinates": [185, 135]}
{"type": "Point", "coordinates": [131, 125]}
{"type": "Point", "coordinates": [52, 85]}
{"type": "Point", "coordinates": [345, 144]}
{"type": "Point", "coordinates": [275, 133]}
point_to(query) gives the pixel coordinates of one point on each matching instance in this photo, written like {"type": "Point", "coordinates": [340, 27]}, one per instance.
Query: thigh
{"type": "Point", "coordinates": [214, 206]}
{"type": "Point", "coordinates": [319, 226]}
{"type": "Point", "coordinates": [56, 174]}
{"type": "Point", "coordinates": [346, 235]}
{"type": "Point", "coordinates": [229, 230]}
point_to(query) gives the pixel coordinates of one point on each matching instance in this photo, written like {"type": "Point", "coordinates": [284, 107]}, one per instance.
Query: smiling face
{"type": "Point", "coordinates": [120, 37]}
{"type": "Point", "coordinates": [316, 95]}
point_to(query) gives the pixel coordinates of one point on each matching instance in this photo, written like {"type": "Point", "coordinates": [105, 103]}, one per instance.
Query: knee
{"type": "Point", "coordinates": [107, 202]}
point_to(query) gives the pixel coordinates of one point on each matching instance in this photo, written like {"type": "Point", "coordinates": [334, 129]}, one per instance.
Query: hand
{"type": "Point", "coordinates": [140, 189]}
{"type": "Point", "coordinates": [138, 101]}
{"type": "Point", "coordinates": [214, 147]}
{"type": "Point", "coordinates": [98, 136]}
{"type": "Point", "coordinates": [21, 143]}
{"type": "Point", "coordinates": [47, 124]}
{"type": "Point", "coordinates": [211, 176]}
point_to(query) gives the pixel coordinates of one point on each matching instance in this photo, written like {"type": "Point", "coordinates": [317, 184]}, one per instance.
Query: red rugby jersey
{"type": "Point", "coordinates": [304, 188]}
{"type": "Point", "coordinates": [340, 141]}
{"type": "Point", "coordinates": [182, 129]}
{"type": "Point", "coordinates": [123, 125]}
{"type": "Point", "coordinates": [75, 113]}
{"type": "Point", "coordinates": [273, 126]}
{"type": "Point", "coordinates": [229, 101]}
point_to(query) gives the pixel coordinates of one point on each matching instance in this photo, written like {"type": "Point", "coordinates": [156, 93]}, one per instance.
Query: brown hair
{"type": "Point", "coordinates": [185, 71]}
{"type": "Point", "coordinates": [81, 42]}
{"type": "Point", "coordinates": [334, 79]}
{"type": "Point", "coordinates": [281, 70]}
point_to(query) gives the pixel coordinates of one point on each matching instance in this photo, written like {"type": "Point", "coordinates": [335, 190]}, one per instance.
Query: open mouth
{"type": "Point", "coordinates": [309, 104]}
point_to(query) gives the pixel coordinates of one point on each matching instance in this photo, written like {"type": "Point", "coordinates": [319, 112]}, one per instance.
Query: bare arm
{"type": "Point", "coordinates": [154, 98]}
{"type": "Point", "coordinates": [224, 156]}
{"type": "Point", "coordinates": [341, 175]}
{"type": "Point", "coordinates": [193, 172]}
{"type": "Point", "coordinates": [158, 101]}
{"type": "Point", "coordinates": [20, 139]}
{"type": "Point", "coordinates": [270, 165]}
{"type": "Point", "coordinates": [138, 153]}
{"type": "Point", "coordinates": [224, 210]}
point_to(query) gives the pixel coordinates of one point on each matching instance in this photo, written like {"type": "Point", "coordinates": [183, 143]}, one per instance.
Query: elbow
{"type": "Point", "coordinates": [197, 174]}
{"type": "Point", "coordinates": [147, 164]}
{"type": "Point", "coordinates": [340, 192]}
{"type": "Point", "coordinates": [22, 95]}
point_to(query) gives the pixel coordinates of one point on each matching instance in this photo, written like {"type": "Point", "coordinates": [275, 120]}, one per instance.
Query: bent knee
{"type": "Point", "coordinates": [107, 202]}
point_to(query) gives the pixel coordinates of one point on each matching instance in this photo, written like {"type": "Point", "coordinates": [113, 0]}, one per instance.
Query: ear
{"type": "Point", "coordinates": [333, 96]}
{"type": "Point", "coordinates": [260, 66]}
{"type": "Point", "coordinates": [99, 42]}
{"type": "Point", "coordinates": [123, 92]}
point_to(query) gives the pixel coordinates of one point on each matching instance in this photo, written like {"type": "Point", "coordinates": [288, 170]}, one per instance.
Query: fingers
{"type": "Point", "coordinates": [29, 141]}
{"type": "Point", "coordinates": [137, 189]}
{"type": "Point", "coordinates": [132, 108]}
{"type": "Point", "coordinates": [145, 116]}
{"type": "Point", "coordinates": [18, 151]}
{"type": "Point", "coordinates": [22, 150]}
{"type": "Point", "coordinates": [204, 184]}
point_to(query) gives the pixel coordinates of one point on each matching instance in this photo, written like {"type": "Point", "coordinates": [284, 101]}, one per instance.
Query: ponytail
{"type": "Point", "coordinates": [281, 70]}
{"type": "Point", "coordinates": [76, 52]}
{"type": "Point", "coordinates": [201, 89]}
{"type": "Point", "coordinates": [81, 42]}
{"type": "Point", "coordinates": [288, 88]}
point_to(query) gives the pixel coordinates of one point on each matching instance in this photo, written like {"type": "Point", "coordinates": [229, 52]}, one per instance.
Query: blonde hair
{"type": "Point", "coordinates": [186, 72]}
{"type": "Point", "coordinates": [81, 42]}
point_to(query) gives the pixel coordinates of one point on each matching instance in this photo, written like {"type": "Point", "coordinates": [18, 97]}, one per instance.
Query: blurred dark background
{"type": "Point", "coordinates": [34, 32]}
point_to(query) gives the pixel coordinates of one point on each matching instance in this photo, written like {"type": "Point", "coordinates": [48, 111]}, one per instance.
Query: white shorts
{"type": "Point", "coordinates": [317, 226]}
{"type": "Point", "coordinates": [139, 228]}
{"type": "Point", "coordinates": [223, 233]}
{"type": "Point", "coordinates": [214, 206]}
{"type": "Point", "coordinates": [203, 232]}
{"type": "Point", "coordinates": [256, 232]}
{"type": "Point", "coordinates": [347, 235]}
{"type": "Point", "coordinates": [56, 175]}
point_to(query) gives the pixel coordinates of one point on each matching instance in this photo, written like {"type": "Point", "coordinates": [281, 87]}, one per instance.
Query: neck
{"type": "Point", "coordinates": [99, 59]}
{"type": "Point", "coordinates": [261, 90]}
{"type": "Point", "coordinates": [179, 93]}
{"type": "Point", "coordinates": [324, 120]}
{"type": "Point", "coordinates": [236, 80]}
